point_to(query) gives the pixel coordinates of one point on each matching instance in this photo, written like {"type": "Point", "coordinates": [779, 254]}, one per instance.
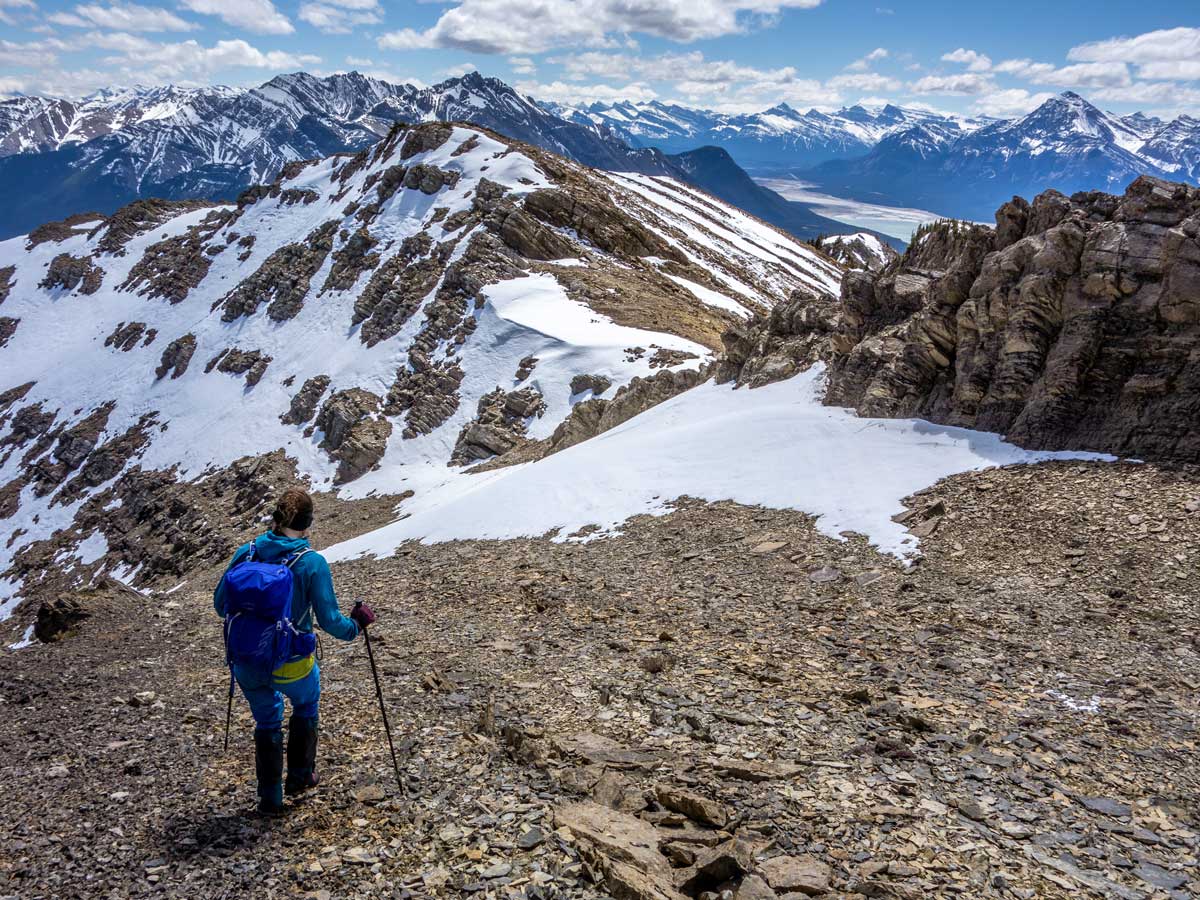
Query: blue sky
{"type": "Point", "coordinates": [997, 59]}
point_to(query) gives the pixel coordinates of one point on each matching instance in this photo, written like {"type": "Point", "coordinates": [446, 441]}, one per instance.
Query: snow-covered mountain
{"type": "Point", "coordinates": [384, 318]}
{"type": "Point", "coordinates": [863, 250]}
{"type": "Point", "coordinates": [775, 139]}
{"type": "Point", "coordinates": [212, 143]}
{"type": "Point", "coordinates": [1066, 143]}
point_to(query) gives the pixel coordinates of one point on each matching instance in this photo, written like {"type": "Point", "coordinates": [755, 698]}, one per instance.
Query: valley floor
{"type": "Point", "coordinates": [1014, 716]}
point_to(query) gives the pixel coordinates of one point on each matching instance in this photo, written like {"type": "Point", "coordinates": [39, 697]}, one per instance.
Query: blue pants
{"type": "Point", "coordinates": [266, 694]}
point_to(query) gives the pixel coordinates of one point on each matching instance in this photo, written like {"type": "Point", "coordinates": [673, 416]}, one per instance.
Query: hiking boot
{"type": "Point", "coordinates": [268, 765]}
{"type": "Point", "coordinates": [301, 755]}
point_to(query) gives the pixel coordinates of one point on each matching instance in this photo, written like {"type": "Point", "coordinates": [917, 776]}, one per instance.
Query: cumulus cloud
{"type": "Point", "coordinates": [963, 83]}
{"type": "Point", "coordinates": [7, 17]}
{"type": "Point", "coordinates": [522, 65]}
{"type": "Point", "coordinates": [573, 93]}
{"type": "Point", "coordinates": [517, 26]}
{"type": "Point", "coordinates": [1152, 46]}
{"type": "Point", "coordinates": [864, 81]}
{"type": "Point", "coordinates": [974, 61]}
{"type": "Point", "coordinates": [1008, 103]}
{"type": "Point", "coordinates": [340, 16]}
{"type": "Point", "coordinates": [259, 16]}
{"type": "Point", "coordinates": [169, 61]}
{"type": "Point", "coordinates": [861, 65]}
{"type": "Point", "coordinates": [123, 17]}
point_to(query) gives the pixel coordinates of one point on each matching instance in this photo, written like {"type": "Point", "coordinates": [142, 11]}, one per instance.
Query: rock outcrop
{"type": "Point", "coordinates": [355, 434]}
{"type": "Point", "coordinates": [500, 425]}
{"type": "Point", "coordinates": [176, 357]}
{"type": "Point", "coordinates": [70, 272]}
{"type": "Point", "coordinates": [1074, 324]}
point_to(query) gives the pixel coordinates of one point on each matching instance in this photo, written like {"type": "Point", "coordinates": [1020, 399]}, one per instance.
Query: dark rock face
{"type": "Point", "coordinates": [283, 278]}
{"type": "Point", "coordinates": [355, 434]}
{"type": "Point", "coordinates": [430, 179]}
{"type": "Point", "coordinates": [353, 258]}
{"type": "Point", "coordinates": [55, 232]}
{"type": "Point", "coordinates": [69, 272]}
{"type": "Point", "coordinates": [176, 357]}
{"type": "Point", "coordinates": [598, 221]}
{"type": "Point", "coordinates": [139, 217]}
{"type": "Point", "coordinates": [232, 361]}
{"type": "Point", "coordinates": [499, 426]}
{"type": "Point", "coordinates": [175, 265]}
{"type": "Point", "coordinates": [597, 384]}
{"type": "Point", "coordinates": [428, 137]}
{"type": "Point", "coordinates": [8, 327]}
{"type": "Point", "coordinates": [595, 416]}
{"type": "Point", "coordinates": [6, 282]}
{"type": "Point", "coordinates": [304, 404]}
{"type": "Point", "coordinates": [769, 348]}
{"type": "Point", "coordinates": [126, 336]}
{"type": "Point", "coordinates": [1075, 324]}
{"type": "Point", "coordinates": [57, 617]}
{"type": "Point", "coordinates": [396, 289]}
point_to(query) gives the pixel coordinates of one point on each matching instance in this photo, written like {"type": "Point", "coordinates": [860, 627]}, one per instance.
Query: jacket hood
{"type": "Point", "coordinates": [270, 547]}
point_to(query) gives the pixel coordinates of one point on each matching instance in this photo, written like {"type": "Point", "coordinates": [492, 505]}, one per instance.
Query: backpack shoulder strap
{"type": "Point", "coordinates": [291, 562]}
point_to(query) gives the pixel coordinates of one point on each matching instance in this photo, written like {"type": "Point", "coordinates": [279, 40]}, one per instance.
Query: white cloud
{"type": "Point", "coordinates": [1080, 75]}
{"type": "Point", "coordinates": [340, 16]}
{"type": "Point", "coordinates": [460, 70]}
{"type": "Point", "coordinates": [123, 17]}
{"type": "Point", "coordinates": [1152, 46]}
{"type": "Point", "coordinates": [522, 65]}
{"type": "Point", "coordinates": [33, 54]}
{"type": "Point", "coordinates": [259, 16]}
{"type": "Point", "coordinates": [1008, 103]}
{"type": "Point", "coordinates": [861, 65]}
{"type": "Point", "coordinates": [518, 26]}
{"type": "Point", "coordinates": [161, 62]}
{"type": "Point", "coordinates": [962, 83]}
{"type": "Point", "coordinates": [8, 19]}
{"type": "Point", "coordinates": [1171, 69]}
{"type": "Point", "coordinates": [359, 61]}
{"type": "Point", "coordinates": [974, 61]}
{"type": "Point", "coordinates": [864, 81]}
{"type": "Point", "coordinates": [572, 93]}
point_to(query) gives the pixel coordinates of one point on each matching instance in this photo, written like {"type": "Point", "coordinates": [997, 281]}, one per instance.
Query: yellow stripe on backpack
{"type": "Point", "coordinates": [294, 670]}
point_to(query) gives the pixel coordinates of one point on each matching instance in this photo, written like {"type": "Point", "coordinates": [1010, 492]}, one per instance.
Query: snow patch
{"type": "Point", "coordinates": [775, 446]}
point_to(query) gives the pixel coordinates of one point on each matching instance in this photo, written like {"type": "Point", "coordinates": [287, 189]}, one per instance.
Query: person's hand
{"type": "Point", "coordinates": [362, 615]}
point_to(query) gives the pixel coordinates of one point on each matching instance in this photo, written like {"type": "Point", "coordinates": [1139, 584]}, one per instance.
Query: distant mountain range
{"type": "Point", "coordinates": [773, 141]}
{"type": "Point", "coordinates": [963, 167]}
{"type": "Point", "coordinates": [212, 143]}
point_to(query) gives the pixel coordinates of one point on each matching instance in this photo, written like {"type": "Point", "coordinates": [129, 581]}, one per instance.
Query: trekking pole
{"type": "Point", "coordinates": [382, 709]}
{"type": "Point", "coordinates": [229, 711]}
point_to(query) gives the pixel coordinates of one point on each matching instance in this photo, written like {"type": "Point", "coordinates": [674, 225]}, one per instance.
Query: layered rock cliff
{"type": "Point", "coordinates": [1074, 323]}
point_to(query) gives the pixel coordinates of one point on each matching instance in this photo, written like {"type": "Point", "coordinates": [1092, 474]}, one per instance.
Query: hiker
{"type": "Point", "coordinates": [292, 672]}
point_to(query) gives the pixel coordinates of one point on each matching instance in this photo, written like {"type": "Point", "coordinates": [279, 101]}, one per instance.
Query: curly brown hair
{"type": "Point", "coordinates": [293, 510]}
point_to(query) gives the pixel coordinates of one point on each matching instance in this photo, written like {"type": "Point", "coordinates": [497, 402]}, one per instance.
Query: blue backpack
{"type": "Point", "coordinates": [258, 614]}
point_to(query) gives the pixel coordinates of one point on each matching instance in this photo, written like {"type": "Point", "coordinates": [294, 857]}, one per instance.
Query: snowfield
{"type": "Point", "coordinates": [775, 446]}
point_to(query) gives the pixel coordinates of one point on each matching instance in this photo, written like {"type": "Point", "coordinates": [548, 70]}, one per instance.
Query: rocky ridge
{"type": "Point", "coordinates": [1074, 323]}
{"type": "Point", "coordinates": [419, 273]}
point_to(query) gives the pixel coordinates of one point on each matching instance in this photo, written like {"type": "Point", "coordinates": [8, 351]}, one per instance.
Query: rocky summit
{"type": "Point", "coordinates": [698, 572]}
{"type": "Point", "coordinates": [1075, 322]}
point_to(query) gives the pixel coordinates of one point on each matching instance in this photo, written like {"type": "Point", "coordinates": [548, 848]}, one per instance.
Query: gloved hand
{"type": "Point", "coordinates": [362, 615]}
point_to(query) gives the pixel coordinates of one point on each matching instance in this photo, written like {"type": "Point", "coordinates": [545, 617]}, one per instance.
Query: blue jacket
{"type": "Point", "coordinates": [313, 585]}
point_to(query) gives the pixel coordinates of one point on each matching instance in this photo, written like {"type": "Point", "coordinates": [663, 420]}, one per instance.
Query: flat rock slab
{"type": "Point", "coordinates": [617, 835]}
{"type": "Point", "coordinates": [756, 770]}
{"type": "Point", "coordinates": [797, 874]}
{"type": "Point", "coordinates": [598, 749]}
{"type": "Point", "coordinates": [695, 806]}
